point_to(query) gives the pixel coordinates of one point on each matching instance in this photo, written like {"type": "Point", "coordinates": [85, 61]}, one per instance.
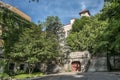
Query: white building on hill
{"type": "Point", "coordinates": [68, 27]}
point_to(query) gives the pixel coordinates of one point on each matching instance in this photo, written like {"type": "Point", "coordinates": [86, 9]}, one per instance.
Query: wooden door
{"type": "Point", "coordinates": [76, 66]}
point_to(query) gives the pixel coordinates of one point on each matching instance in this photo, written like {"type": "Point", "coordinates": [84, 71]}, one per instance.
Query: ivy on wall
{"type": "Point", "coordinates": [12, 27]}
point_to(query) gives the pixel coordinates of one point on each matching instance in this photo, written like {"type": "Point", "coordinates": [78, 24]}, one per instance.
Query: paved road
{"type": "Point", "coordinates": [82, 76]}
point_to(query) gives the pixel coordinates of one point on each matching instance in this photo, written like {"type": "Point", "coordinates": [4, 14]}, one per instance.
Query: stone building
{"type": "Point", "coordinates": [15, 10]}
{"type": "Point", "coordinates": [21, 14]}
{"type": "Point", "coordinates": [77, 61]}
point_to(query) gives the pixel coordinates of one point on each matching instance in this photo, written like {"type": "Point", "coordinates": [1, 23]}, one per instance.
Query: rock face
{"type": "Point", "coordinates": [98, 64]}
{"type": "Point", "coordinates": [80, 59]}
{"type": "Point", "coordinates": [115, 62]}
{"type": "Point", "coordinates": [86, 62]}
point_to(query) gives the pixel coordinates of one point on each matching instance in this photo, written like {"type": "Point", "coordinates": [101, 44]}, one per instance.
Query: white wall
{"type": "Point", "coordinates": [68, 27]}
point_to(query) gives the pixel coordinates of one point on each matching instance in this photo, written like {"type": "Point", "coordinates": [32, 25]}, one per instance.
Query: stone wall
{"type": "Point", "coordinates": [98, 64]}
{"type": "Point", "coordinates": [84, 62]}
{"type": "Point", "coordinates": [115, 62]}
{"type": "Point", "coordinates": [82, 57]}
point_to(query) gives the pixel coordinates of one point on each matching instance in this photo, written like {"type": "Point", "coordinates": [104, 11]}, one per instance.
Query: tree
{"type": "Point", "coordinates": [53, 24]}
{"type": "Point", "coordinates": [28, 47]}
{"type": "Point", "coordinates": [87, 36]}
{"type": "Point", "coordinates": [54, 33]}
{"type": "Point", "coordinates": [83, 29]}
{"type": "Point", "coordinates": [13, 28]}
{"type": "Point", "coordinates": [26, 42]}
{"type": "Point", "coordinates": [112, 13]}
{"type": "Point", "coordinates": [111, 36]}
{"type": "Point", "coordinates": [101, 34]}
{"type": "Point", "coordinates": [79, 24]}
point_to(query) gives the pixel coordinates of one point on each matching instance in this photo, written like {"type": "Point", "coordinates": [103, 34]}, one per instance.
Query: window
{"type": "Point", "coordinates": [11, 66]}
{"type": "Point", "coordinates": [22, 66]}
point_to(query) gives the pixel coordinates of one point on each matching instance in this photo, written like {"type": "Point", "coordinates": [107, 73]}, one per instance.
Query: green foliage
{"type": "Point", "coordinates": [53, 24]}
{"type": "Point", "coordinates": [87, 36]}
{"type": "Point", "coordinates": [12, 27]}
{"type": "Point", "coordinates": [79, 24]}
{"type": "Point", "coordinates": [2, 62]}
{"type": "Point", "coordinates": [100, 33]}
{"type": "Point", "coordinates": [20, 72]}
{"type": "Point", "coordinates": [52, 36]}
{"type": "Point", "coordinates": [111, 12]}
{"type": "Point", "coordinates": [25, 42]}
{"type": "Point", "coordinates": [24, 76]}
{"type": "Point", "coordinates": [28, 45]}
{"type": "Point", "coordinates": [4, 76]}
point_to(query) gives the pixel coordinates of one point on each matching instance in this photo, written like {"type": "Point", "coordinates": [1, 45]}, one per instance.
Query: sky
{"type": "Point", "coordinates": [64, 9]}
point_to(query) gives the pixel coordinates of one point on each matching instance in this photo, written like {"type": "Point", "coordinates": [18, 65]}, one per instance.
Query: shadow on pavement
{"type": "Point", "coordinates": [81, 76]}
{"type": "Point", "coordinates": [62, 77]}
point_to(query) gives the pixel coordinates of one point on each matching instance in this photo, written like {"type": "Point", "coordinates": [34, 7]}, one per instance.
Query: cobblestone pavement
{"type": "Point", "coordinates": [81, 76]}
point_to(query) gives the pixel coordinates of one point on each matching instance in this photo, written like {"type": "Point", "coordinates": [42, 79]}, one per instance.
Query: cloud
{"type": "Point", "coordinates": [62, 8]}
{"type": "Point", "coordinates": [83, 6]}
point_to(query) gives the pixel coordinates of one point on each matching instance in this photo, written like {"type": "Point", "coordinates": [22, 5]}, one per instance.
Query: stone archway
{"type": "Point", "coordinates": [76, 66]}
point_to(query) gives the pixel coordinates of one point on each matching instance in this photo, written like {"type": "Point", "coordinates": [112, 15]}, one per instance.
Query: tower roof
{"type": "Point", "coordinates": [84, 11]}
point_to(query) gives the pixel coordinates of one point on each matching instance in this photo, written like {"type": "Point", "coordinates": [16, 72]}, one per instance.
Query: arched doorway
{"type": "Point", "coordinates": [76, 66]}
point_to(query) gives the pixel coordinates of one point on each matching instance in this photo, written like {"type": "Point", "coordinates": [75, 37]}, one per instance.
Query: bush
{"type": "Point", "coordinates": [20, 72]}
{"type": "Point", "coordinates": [22, 76]}
{"type": "Point", "coordinates": [3, 76]}
{"type": "Point", "coordinates": [11, 73]}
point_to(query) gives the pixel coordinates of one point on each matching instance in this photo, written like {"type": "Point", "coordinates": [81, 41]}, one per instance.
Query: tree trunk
{"type": "Point", "coordinates": [31, 68]}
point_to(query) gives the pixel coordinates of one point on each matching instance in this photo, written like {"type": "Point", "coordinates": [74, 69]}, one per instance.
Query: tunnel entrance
{"type": "Point", "coordinates": [76, 66]}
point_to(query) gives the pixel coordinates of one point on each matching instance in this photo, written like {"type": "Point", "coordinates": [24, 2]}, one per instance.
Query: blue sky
{"type": "Point", "coordinates": [64, 9]}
